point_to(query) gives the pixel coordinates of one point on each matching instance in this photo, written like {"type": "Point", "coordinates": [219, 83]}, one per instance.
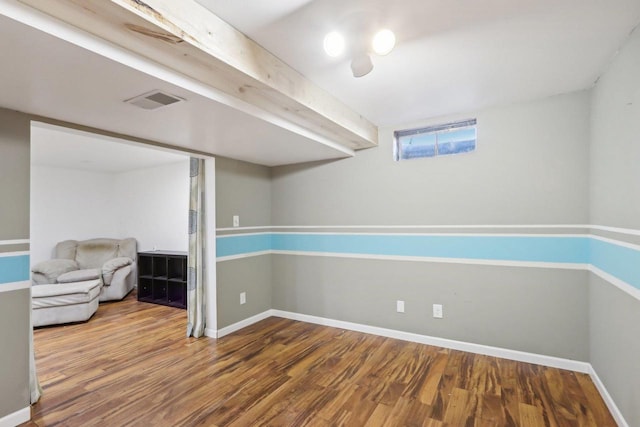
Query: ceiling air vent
{"type": "Point", "coordinates": [154, 99]}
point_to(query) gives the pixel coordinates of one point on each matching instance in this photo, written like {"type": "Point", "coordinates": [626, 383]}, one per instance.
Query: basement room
{"type": "Point", "coordinates": [322, 213]}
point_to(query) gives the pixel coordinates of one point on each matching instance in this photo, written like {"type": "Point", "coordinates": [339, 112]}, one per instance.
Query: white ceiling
{"type": "Point", "coordinates": [73, 149]}
{"type": "Point", "coordinates": [451, 56]}
{"type": "Point", "coordinates": [44, 75]}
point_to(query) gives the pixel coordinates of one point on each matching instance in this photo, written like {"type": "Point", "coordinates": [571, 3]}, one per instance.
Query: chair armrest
{"type": "Point", "coordinates": [113, 265]}
{"type": "Point", "coordinates": [48, 271]}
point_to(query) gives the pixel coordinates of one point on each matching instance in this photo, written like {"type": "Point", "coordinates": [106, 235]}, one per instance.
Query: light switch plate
{"type": "Point", "coordinates": [437, 311]}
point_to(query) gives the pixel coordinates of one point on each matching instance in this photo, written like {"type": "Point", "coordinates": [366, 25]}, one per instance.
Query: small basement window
{"type": "Point", "coordinates": [438, 140]}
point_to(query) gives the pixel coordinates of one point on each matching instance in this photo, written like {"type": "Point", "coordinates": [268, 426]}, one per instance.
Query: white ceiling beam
{"type": "Point", "coordinates": [188, 38]}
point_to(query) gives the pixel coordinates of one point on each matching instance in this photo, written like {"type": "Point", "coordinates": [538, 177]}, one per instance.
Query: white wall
{"type": "Point", "coordinates": [150, 205]}
{"type": "Point", "coordinates": [69, 204]}
{"type": "Point", "coordinates": [154, 206]}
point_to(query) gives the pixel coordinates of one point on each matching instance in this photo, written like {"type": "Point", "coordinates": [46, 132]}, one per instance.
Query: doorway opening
{"type": "Point", "coordinates": [87, 186]}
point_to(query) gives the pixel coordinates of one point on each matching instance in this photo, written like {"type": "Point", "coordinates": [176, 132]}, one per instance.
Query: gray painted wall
{"type": "Point", "coordinates": [14, 357]}
{"type": "Point", "coordinates": [14, 175]}
{"type": "Point", "coordinates": [15, 306]}
{"type": "Point", "coordinates": [615, 201]}
{"type": "Point", "coordinates": [569, 159]}
{"type": "Point", "coordinates": [242, 189]}
{"type": "Point", "coordinates": [615, 141]}
{"type": "Point", "coordinates": [530, 167]}
{"type": "Point", "coordinates": [251, 275]}
{"type": "Point", "coordinates": [536, 310]}
{"type": "Point", "coordinates": [614, 318]}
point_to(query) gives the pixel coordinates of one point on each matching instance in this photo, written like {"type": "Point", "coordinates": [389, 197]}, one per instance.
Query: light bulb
{"type": "Point", "coordinates": [334, 44]}
{"type": "Point", "coordinates": [383, 42]}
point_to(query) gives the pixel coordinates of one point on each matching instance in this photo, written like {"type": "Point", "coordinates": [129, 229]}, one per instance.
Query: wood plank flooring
{"type": "Point", "coordinates": [131, 365]}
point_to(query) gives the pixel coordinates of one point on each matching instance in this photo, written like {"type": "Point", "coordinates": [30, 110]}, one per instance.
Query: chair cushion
{"type": "Point", "coordinates": [79, 276]}
{"type": "Point", "coordinates": [66, 249]}
{"type": "Point", "coordinates": [95, 252]}
{"type": "Point", "coordinates": [61, 294]}
{"type": "Point", "coordinates": [53, 268]}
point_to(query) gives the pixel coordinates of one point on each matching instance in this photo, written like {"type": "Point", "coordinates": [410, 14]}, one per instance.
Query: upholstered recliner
{"type": "Point", "coordinates": [112, 261]}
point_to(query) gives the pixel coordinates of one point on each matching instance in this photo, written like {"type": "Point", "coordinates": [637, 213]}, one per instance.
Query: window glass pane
{"type": "Point", "coordinates": [414, 146]}
{"type": "Point", "coordinates": [438, 140]}
{"type": "Point", "coordinates": [457, 141]}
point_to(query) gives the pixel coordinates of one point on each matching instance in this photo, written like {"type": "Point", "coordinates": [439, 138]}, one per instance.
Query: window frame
{"type": "Point", "coordinates": [432, 130]}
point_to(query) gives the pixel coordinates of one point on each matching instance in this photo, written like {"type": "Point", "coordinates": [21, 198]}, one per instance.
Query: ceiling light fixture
{"type": "Point", "coordinates": [334, 44]}
{"type": "Point", "coordinates": [361, 65]}
{"type": "Point", "coordinates": [382, 43]}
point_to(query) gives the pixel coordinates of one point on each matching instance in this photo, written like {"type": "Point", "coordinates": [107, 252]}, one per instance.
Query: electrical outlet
{"type": "Point", "coordinates": [400, 306]}
{"type": "Point", "coordinates": [236, 220]}
{"type": "Point", "coordinates": [437, 311]}
{"type": "Point", "coordinates": [243, 297]}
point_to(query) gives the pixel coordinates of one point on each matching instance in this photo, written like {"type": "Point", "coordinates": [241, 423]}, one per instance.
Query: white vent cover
{"type": "Point", "coordinates": [154, 99]}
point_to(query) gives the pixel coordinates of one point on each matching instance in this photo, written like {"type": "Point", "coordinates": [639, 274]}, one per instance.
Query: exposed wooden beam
{"type": "Point", "coordinates": [188, 38]}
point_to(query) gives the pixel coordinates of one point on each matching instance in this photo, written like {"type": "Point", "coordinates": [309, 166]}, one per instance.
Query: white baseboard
{"type": "Point", "coordinates": [12, 420]}
{"type": "Point", "coordinates": [211, 333]}
{"type": "Point", "coordinates": [608, 400]}
{"type": "Point", "coordinates": [243, 323]}
{"type": "Point", "coordinates": [520, 356]}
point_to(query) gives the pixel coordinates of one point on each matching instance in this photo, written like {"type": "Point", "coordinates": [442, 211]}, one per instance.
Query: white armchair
{"type": "Point", "coordinates": [112, 261]}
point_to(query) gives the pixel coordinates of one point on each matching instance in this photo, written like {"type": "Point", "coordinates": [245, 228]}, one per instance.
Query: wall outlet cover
{"type": "Point", "coordinates": [400, 306]}
{"type": "Point", "coordinates": [243, 297]}
{"type": "Point", "coordinates": [236, 220]}
{"type": "Point", "coordinates": [437, 311]}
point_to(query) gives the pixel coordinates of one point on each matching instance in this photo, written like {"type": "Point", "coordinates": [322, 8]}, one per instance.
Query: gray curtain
{"type": "Point", "coordinates": [196, 274]}
{"type": "Point", "coordinates": [34, 386]}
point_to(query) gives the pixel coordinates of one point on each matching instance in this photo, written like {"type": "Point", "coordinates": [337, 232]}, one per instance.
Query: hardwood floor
{"type": "Point", "coordinates": [131, 365]}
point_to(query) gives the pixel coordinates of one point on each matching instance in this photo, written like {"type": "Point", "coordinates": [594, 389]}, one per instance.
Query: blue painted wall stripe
{"type": "Point", "coordinates": [619, 261]}
{"type": "Point", "coordinates": [503, 248]}
{"type": "Point", "coordinates": [536, 249]}
{"type": "Point", "coordinates": [14, 269]}
{"type": "Point", "coordinates": [235, 245]}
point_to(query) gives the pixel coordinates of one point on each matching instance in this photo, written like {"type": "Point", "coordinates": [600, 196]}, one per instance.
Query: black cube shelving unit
{"type": "Point", "coordinates": [162, 278]}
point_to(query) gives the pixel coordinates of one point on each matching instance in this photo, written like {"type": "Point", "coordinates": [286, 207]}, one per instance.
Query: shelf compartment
{"type": "Point", "coordinates": [177, 268]}
{"type": "Point", "coordinates": [176, 295]}
{"type": "Point", "coordinates": [159, 292]}
{"type": "Point", "coordinates": [144, 288]}
{"type": "Point", "coordinates": [145, 266]}
{"type": "Point", "coordinates": [159, 266]}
